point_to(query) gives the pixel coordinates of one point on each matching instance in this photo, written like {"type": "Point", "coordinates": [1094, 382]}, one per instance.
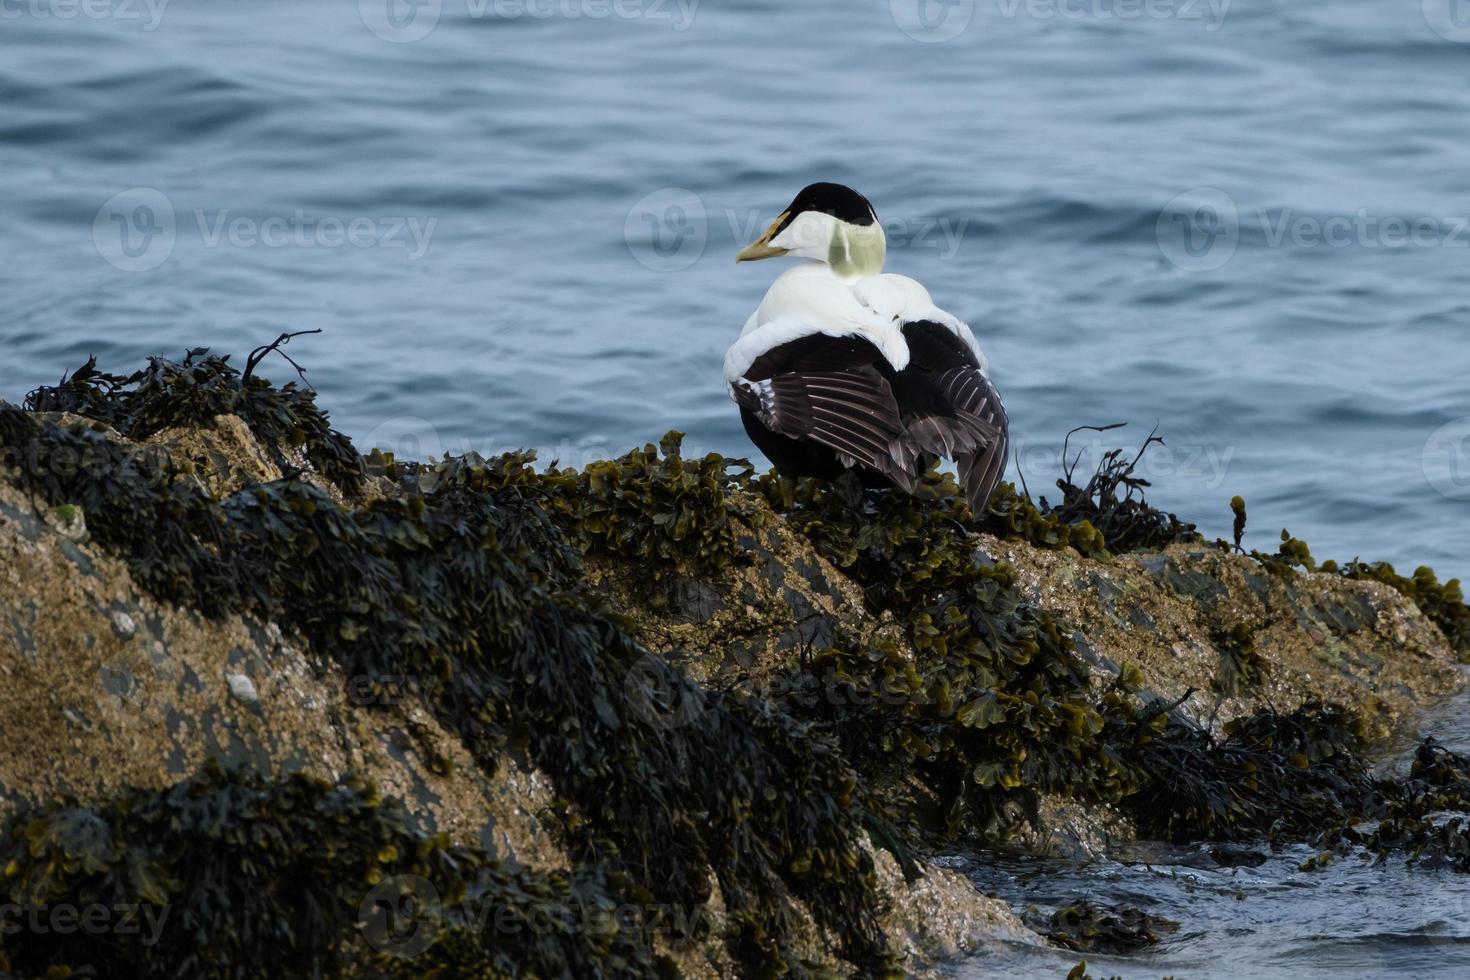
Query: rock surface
{"type": "Point", "coordinates": [1322, 636]}
{"type": "Point", "coordinates": [114, 690]}
{"type": "Point", "coordinates": [111, 689]}
{"type": "Point", "coordinates": [105, 688]}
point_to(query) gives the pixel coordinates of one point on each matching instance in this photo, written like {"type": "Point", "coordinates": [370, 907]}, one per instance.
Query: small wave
{"type": "Point", "coordinates": [140, 111]}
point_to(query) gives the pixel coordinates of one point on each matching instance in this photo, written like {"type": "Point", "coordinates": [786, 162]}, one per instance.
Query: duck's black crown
{"type": "Point", "coordinates": [838, 200]}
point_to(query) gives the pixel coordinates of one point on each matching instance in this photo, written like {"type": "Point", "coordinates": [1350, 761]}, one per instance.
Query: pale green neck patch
{"type": "Point", "coordinates": [857, 251]}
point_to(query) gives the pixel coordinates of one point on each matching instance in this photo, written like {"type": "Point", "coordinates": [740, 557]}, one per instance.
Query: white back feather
{"type": "Point", "coordinates": [809, 298]}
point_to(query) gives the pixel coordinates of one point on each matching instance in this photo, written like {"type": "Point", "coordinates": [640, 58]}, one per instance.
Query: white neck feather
{"type": "Point", "coordinates": [852, 251]}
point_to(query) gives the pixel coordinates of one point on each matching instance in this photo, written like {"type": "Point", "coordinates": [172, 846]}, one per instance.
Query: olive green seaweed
{"type": "Point", "coordinates": [1086, 927]}
{"type": "Point", "coordinates": [473, 590]}
{"type": "Point", "coordinates": [466, 575]}
{"type": "Point", "coordinates": [244, 877]}
{"type": "Point", "coordinates": [995, 706]}
{"type": "Point", "coordinates": [167, 393]}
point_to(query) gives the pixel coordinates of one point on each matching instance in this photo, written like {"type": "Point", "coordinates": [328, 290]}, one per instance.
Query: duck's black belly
{"type": "Point", "coordinates": [802, 457]}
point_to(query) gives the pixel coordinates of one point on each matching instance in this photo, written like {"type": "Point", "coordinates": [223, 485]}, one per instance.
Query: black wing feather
{"type": "Point", "coordinates": [842, 394]}
{"type": "Point", "coordinates": [981, 408]}
{"type": "Point", "coordinates": [851, 412]}
{"type": "Point", "coordinates": [951, 409]}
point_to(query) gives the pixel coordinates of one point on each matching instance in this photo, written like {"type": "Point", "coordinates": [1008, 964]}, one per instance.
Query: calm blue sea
{"type": "Point", "coordinates": [1246, 223]}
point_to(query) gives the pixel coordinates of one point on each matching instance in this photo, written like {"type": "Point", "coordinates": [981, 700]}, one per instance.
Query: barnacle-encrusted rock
{"type": "Point", "coordinates": [92, 708]}
{"type": "Point", "coordinates": [1173, 614]}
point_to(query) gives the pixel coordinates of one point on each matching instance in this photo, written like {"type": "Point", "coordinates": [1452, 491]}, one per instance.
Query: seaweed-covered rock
{"type": "Point", "coordinates": [659, 682]}
{"type": "Point", "coordinates": [778, 600]}
{"type": "Point", "coordinates": [171, 611]}
{"type": "Point", "coordinates": [1213, 635]}
{"type": "Point", "coordinates": [115, 690]}
{"type": "Point", "coordinates": [1090, 928]}
{"type": "Point", "coordinates": [230, 874]}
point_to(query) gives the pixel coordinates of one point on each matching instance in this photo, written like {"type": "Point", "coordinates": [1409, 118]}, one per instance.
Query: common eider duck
{"type": "Point", "coordinates": [844, 366]}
